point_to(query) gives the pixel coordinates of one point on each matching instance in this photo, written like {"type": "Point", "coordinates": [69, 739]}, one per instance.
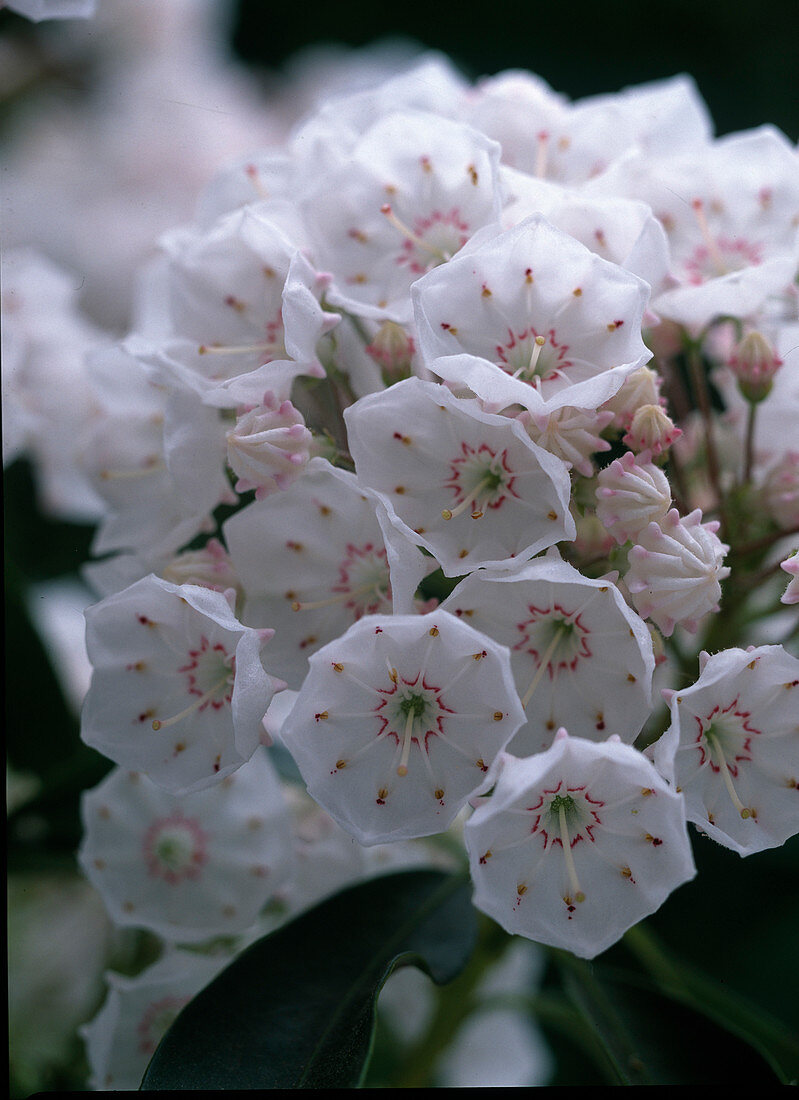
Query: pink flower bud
{"type": "Point", "coordinates": [754, 362]}
{"type": "Point", "coordinates": [652, 429]}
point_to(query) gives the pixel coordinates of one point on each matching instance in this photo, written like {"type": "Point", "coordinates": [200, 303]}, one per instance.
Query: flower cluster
{"type": "Point", "coordinates": [399, 468]}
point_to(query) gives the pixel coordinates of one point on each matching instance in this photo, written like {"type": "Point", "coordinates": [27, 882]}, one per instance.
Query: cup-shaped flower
{"type": "Point", "coordinates": [581, 658]}
{"type": "Point", "coordinates": [192, 866]}
{"type": "Point", "coordinates": [314, 559]}
{"type": "Point", "coordinates": [399, 721]}
{"type": "Point", "coordinates": [122, 1037]}
{"type": "Point", "coordinates": [467, 485]}
{"type": "Point", "coordinates": [577, 844]}
{"type": "Point", "coordinates": [733, 747]}
{"type": "Point", "coordinates": [178, 689]}
{"type": "Point", "coordinates": [551, 320]}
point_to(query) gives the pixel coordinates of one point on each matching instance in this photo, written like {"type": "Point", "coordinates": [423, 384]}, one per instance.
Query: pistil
{"type": "Point", "coordinates": [560, 630]}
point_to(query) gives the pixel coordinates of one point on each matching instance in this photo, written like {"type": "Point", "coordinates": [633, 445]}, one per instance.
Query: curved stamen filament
{"type": "Point", "coordinates": [713, 249]}
{"type": "Point", "coordinates": [577, 893]}
{"type": "Point", "coordinates": [200, 701]}
{"type": "Point", "coordinates": [718, 752]}
{"type": "Point", "coordinates": [341, 597]}
{"type": "Point", "coordinates": [560, 630]}
{"type": "Point", "coordinates": [414, 238]}
{"type": "Point", "coordinates": [477, 511]}
{"type": "Point", "coordinates": [239, 349]}
{"type": "Point", "coordinates": [131, 475]}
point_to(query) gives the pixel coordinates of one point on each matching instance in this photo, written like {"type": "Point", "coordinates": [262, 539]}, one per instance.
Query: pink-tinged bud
{"type": "Point", "coordinates": [652, 429]}
{"type": "Point", "coordinates": [642, 387]}
{"type": "Point", "coordinates": [269, 447]}
{"type": "Point", "coordinates": [393, 349]}
{"type": "Point", "coordinates": [754, 363]}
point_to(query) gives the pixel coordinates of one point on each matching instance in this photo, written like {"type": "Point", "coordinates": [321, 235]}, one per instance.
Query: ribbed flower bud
{"type": "Point", "coordinates": [652, 429]}
{"type": "Point", "coordinates": [269, 447]}
{"type": "Point", "coordinates": [631, 494]}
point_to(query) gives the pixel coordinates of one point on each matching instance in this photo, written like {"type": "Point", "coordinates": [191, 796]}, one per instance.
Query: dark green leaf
{"type": "Point", "coordinates": [297, 1009]}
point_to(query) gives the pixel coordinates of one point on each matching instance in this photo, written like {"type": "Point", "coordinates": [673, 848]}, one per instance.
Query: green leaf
{"type": "Point", "coordinates": [685, 983]}
{"type": "Point", "coordinates": [645, 1037]}
{"type": "Point", "coordinates": [297, 1008]}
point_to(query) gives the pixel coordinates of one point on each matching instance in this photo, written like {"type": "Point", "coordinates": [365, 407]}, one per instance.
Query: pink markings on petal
{"type": "Point", "coordinates": [537, 632]}
{"type": "Point", "coordinates": [520, 357]}
{"type": "Point", "coordinates": [730, 732]}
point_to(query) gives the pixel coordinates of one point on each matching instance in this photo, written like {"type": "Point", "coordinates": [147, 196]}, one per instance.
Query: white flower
{"type": "Point", "coordinates": [190, 866]}
{"type": "Point", "coordinates": [410, 193]}
{"type": "Point", "coordinates": [468, 486]}
{"type": "Point", "coordinates": [577, 844]}
{"type": "Point", "coordinates": [122, 1037]}
{"type": "Point", "coordinates": [632, 493]}
{"type": "Point", "coordinates": [558, 323]}
{"type": "Point", "coordinates": [675, 570]}
{"type": "Point", "coordinates": [580, 656]}
{"type": "Point", "coordinates": [269, 446]}
{"type": "Point", "coordinates": [178, 689]}
{"type": "Point", "coordinates": [729, 212]}
{"type": "Point", "coordinates": [398, 723]}
{"type": "Point", "coordinates": [734, 743]}
{"type": "Point", "coordinates": [315, 558]}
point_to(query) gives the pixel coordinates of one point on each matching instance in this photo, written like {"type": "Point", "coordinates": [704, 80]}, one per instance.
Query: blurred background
{"type": "Point", "coordinates": [109, 128]}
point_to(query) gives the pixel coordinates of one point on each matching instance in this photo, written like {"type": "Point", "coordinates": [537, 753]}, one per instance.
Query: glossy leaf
{"type": "Point", "coordinates": [297, 1008]}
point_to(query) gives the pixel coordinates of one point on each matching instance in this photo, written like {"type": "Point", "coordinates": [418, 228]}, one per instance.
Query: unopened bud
{"type": "Point", "coordinates": [652, 429]}
{"type": "Point", "coordinates": [754, 364]}
{"type": "Point", "coordinates": [393, 349]}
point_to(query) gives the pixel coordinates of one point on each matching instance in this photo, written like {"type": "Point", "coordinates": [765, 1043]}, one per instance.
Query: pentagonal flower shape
{"type": "Point", "coordinates": [557, 323]}
{"type": "Point", "coordinates": [178, 689]}
{"type": "Point", "coordinates": [122, 1037]}
{"type": "Point", "coordinates": [312, 560]}
{"type": "Point", "coordinates": [187, 866]}
{"type": "Point", "coordinates": [581, 658]}
{"type": "Point", "coordinates": [467, 485]}
{"type": "Point", "coordinates": [577, 844]}
{"type": "Point", "coordinates": [399, 721]}
{"type": "Point", "coordinates": [406, 198]}
{"type": "Point", "coordinates": [734, 743]}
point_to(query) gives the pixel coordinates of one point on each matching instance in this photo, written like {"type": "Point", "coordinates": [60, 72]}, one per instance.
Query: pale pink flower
{"type": "Point", "coordinates": [577, 844]}
{"type": "Point", "coordinates": [178, 689]}
{"type": "Point", "coordinates": [552, 323]}
{"type": "Point", "coordinates": [468, 486]}
{"type": "Point", "coordinates": [121, 1039]}
{"type": "Point", "coordinates": [192, 866]}
{"type": "Point", "coordinates": [580, 656]}
{"type": "Point", "coordinates": [399, 721]}
{"type": "Point", "coordinates": [733, 747]}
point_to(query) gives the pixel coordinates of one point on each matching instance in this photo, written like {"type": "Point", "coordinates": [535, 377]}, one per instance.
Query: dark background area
{"type": "Point", "coordinates": [743, 56]}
